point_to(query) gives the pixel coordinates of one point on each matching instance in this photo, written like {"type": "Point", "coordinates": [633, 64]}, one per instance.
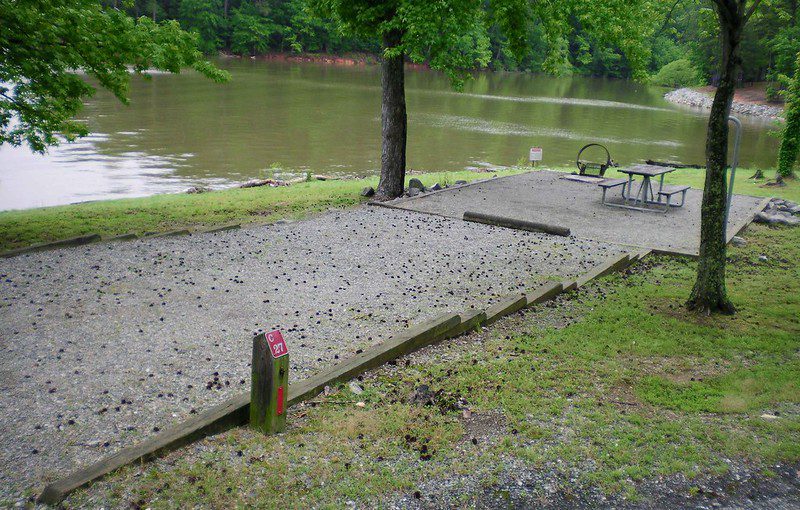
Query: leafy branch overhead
{"type": "Point", "coordinates": [453, 36]}
{"type": "Point", "coordinates": [52, 50]}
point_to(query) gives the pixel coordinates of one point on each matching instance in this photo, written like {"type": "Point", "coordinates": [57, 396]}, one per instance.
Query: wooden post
{"type": "Point", "coordinates": [270, 388]}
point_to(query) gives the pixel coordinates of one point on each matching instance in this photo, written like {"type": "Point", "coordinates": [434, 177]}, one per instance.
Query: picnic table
{"type": "Point", "coordinates": [645, 195]}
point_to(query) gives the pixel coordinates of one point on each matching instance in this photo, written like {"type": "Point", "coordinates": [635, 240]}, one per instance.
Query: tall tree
{"type": "Point", "coordinates": [709, 293]}
{"type": "Point", "coordinates": [449, 34]}
{"type": "Point", "coordinates": [452, 36]}
{"type": "Point", "coordinates": [47, 47]}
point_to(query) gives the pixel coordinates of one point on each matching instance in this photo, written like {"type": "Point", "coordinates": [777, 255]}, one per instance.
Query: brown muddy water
{"type": "Point", "coordinates": [282, 119]}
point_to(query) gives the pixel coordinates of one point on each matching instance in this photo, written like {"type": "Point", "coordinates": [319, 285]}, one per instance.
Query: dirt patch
{"type": "Point", "coordinates": [751, 94]}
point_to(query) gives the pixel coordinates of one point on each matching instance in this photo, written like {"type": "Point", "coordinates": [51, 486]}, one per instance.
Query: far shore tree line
{"type": "Point", "coordinates": [45, 41]}
{"type": "Point", "coordinates": [680, 48]}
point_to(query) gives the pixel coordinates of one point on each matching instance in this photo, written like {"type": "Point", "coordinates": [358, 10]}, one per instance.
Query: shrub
{"type": "Point", "coordinates": [680, 73]}
{"type": "Point", "coordinates": [790, 142]}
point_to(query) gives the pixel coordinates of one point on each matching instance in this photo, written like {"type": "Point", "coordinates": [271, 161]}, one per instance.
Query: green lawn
{"type": "Point", "coordinates": [618, 383]}
{"type": "Point", "coordinates": [168, 212]}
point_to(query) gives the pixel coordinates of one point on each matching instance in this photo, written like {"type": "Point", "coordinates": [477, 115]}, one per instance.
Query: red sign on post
{"type": "Point", "coordinates": [276, 344]}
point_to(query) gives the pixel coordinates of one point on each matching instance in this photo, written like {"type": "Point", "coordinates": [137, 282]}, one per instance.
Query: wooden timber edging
{"type": "Point", "coordinates": [94, 238]}
{"type": "Point", "coordinates": [61, 243]}
{"type": "Point", "coordinates": [501, 221]}
{"type": "Point", "coordinates": [236, 410]}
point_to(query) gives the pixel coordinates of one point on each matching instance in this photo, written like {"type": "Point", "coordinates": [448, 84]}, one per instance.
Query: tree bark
{"type": "Point", "coordinates": [393, 122]}
{"type": "Point", "coordinates": [709, 293]}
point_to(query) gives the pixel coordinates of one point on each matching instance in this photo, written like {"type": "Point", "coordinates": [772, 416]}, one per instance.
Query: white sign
{"type": "Point", "coordinates": [536, 154]}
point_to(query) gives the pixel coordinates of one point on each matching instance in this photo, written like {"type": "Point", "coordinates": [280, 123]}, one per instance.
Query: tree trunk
{"type": "Point", "coordinates": [709, 294]}
{"type": "Point", "coordinates": [393, 123]}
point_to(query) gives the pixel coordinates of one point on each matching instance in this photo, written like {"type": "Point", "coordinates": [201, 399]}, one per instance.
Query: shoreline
{"type": "Point", "coordinates": [346, 60]}
{"type": "Point", "coordinates": [159, 214]}
{"type": "Point", "coordinates": [701, 99]}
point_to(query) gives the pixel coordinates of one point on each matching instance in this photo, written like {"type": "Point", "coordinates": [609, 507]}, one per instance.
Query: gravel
{"type": "Point", "coordinates": [548, 197]}
{"type": "Point", "coordinates": [697, 99]}
{"type": "Point", "coordinates": [103, 345]}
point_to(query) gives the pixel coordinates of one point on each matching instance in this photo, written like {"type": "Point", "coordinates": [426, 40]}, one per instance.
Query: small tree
{"type": "Point", "coordinates": [450, 34]}
{"type": "Point", "coordinates": [790, 141]}
{"type": "Point", "coordinates": [46, 44]}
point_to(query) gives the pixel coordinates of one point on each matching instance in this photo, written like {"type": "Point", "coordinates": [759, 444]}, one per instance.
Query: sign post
{"type": "Point", "coordinates": [270, 384]}
{"type": "Point", "coordinates": [535, 155]}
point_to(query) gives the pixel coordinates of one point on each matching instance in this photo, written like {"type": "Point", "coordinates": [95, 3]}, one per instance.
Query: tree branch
{"type": "Point", "coordinates": [751, 10]}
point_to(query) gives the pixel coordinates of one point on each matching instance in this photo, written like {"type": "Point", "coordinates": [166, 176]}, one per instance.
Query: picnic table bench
{"type": "Point", "coordinates": [645, 195]}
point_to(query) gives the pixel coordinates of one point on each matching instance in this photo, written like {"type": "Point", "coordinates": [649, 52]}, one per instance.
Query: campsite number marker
{"type": "Point", "coordinates": [270, 385]}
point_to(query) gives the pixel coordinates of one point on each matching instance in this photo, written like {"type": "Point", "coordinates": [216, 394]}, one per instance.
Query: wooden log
{"type": "Point", "coordinates": [530, 226]}
{"type": "Point", "coordinates": [269, 384]}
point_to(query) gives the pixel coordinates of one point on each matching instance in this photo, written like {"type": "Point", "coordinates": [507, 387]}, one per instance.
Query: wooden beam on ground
{"type": "Point", "coordinates": [404, 343]}
{"type": "Point", "coordinates": [236, 410]}
{"type": "Point", "coordinates": [230, 413]}
{"type": "Point", "coordinates": [501, 221]}
{"type": "Point", "coordinates": [543, 293]}
{"type": "Point", "coordinates": [610, 265]}
{"type": "Point", "coordinates": [470, 320]}
{"type": "Point", "coordinates": [171, 233]}
{"type": "Point", "coordinates": [222, 229]}
{"type": "Point", "coordinates": [61, 243]}
{"type": "Point", "coordinates": [507, 305]}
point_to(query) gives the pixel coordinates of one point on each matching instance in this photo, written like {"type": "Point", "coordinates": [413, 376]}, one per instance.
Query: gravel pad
{"type": "Point", "coordinates": [547, 197]}
{"type": "Point", "coordinates": [106, 344]}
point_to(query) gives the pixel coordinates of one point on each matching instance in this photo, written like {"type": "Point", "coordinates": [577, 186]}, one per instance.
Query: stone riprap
{"type": "Point", "coordinates": [105, 344]}
{"type": "Point", "coordinates": [547, 197]}
{"type": "Point", "coordinates": [697, 99]}
{"type": "Point", "coordinates": [780, 212]}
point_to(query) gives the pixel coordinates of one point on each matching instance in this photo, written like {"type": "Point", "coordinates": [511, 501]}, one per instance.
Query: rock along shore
{"type": "Point", "coordinates": [697, 99]}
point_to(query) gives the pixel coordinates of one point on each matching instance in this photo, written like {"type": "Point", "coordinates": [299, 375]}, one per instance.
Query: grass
{"type": "Point", "coordinates": [616, 385]}
{"type": "Point", "coordinates": [177, 211]}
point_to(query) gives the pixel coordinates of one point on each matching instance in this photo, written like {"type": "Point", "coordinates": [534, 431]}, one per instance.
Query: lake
{"type": "Point", "coordinates": [282, 119]}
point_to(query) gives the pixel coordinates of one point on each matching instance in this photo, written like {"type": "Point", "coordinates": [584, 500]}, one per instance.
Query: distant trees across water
{"type": "Point", "coordinates": [684, 30]}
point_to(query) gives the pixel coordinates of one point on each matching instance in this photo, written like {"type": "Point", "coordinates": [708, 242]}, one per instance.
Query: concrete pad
{"type": "Point", "coordinates": [548, 197]}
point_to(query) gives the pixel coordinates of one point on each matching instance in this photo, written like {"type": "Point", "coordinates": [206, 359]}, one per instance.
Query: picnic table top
{"type": "Point", "coordinates": [647, 170]}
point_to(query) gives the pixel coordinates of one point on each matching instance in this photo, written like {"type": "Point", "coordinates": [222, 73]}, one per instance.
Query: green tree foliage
{"type": "Point", "coordinates": [207, 19]}
{"type": "Point", "coordinates": [568, 36]}
{"type": "Point", "coordinates": [251, 30]}
{"type": "Point", "coordinates": [50, 46]}
{"type": "Point", "coordinates": [790, 141]}
{"type": "Point", "coordinates": [680, 73]}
